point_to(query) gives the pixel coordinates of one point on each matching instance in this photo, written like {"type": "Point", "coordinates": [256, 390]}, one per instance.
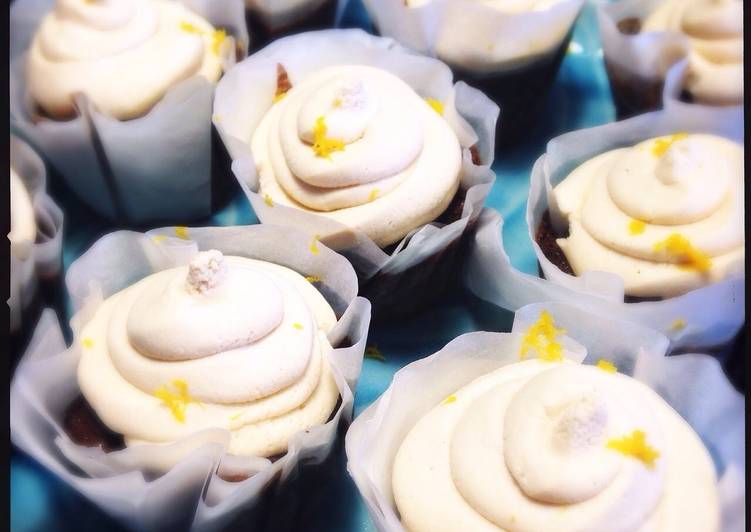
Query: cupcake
{"type": "Point", "coordinates": [237, 365]}
{"type": "Point", "coordinates": [525, 431]}
{"type": "Point", "coordinates": [116, 143]}
{"type": "Point", "coordinates": [368, 148]}
{"type": "Point", "coordinates": [644, 41]}
{"type": "Point", "coordinates": [642, 219]}
{"type": "Point", "coordinates": [510, 51]}
{"type": "Point", "coordinates": [271, 19]}
{"type": "Point", "coordinates": [35, 244]}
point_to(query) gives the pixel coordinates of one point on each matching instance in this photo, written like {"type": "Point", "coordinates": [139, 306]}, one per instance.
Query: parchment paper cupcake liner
{"type": "Point", "coordinates": [123, 170]}
{"type": "Point", "coordinates": [673, 87]}
{"type": "Point", "coordinates": [246, 93]}
{"type": "Point", "coordinates": [491, 276]}
{"type": "Point", "coordinates": [45, 260]}
{"type": "Point", "coordinates": [190, 495]}
{"type": "Point", "coordinates": [693, 384]}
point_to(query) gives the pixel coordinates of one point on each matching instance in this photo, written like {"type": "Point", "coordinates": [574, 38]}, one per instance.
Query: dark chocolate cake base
{"type": "Point", "coordinates": [521, 93]}
{"type": "Point", "coordinates": [323, 17]}
{"type": "Point", "coordinates": [633, 95]}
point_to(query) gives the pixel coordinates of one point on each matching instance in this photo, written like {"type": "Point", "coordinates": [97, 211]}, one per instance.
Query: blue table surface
{"type": "Point", "coordinates": [580, 98]}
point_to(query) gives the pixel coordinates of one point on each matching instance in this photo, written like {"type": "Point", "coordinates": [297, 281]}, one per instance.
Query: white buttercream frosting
{"type": "Point", "coordinates": [394, 162]}
{"type": "Point", "coordinates": [23, 229]}
{"type": "Point", "coordinates": [666, 215]}
{"type": "Point", "coordinates": [225, 342]}
{"type": "Point", "coordinates": [123, 54]}
{"type": "Point", "coordinates": [715, 33]}
{"type": "Point", "coordinates": [530, 447]}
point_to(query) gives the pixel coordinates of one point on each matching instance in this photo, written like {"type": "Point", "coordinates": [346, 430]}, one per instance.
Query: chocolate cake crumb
{"type": "Point", "coordinates": [283, 84]}
{"type": "Point", "coordinates": [546, 239]}
{"type": "Point", "coordinates": [475, 153]}
{"type": "Point", "coordinates": [629, 26]}
{"type": "Point", "coordinates": [85, 428]}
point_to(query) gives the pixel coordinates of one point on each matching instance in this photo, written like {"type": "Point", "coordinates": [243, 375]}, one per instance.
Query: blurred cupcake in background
{"type": "Point", "coordinates": [509, 50]}
{"type": "Point", "coordinates": [271, 19]}
{"type": "Point", "coordinates": [117, 96]}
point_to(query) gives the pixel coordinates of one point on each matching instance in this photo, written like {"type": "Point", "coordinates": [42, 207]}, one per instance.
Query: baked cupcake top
{"type": "Point", "coordinates": [666, 215]}
{"type": "Point", "coordinates": [226, 342]}
{"type": "Point", "coordinates": [358, 145]}
{"type": "Point", "coordinates": [549, 444]}
{"type": "Point", "coordinates": [715, 33]}
{"type": "Point", "coordinates": [123, 54]}
{"type": "Point", "coordinates": [23, 229]}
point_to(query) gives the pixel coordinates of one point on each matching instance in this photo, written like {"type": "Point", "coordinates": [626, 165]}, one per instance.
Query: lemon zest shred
{"type": "Point", "coordinates": [158, 239]}
{"type": "Point", "coordinates": [636, 446]}
{"type": "Point", "coordinates": [314, 249]}
{"type": "Point", "coordinates": [313, 278]}
{"type": "Point", "coordinates": [663, 144]}
{"type": "Point", "coordinates": [324, 146]}
{"type": "Point", "coordinates": [606, 365]}
{"type": "Point", "coordinates": [217, 39]}
{"type": "Point", "coordinates": [267, 200]}
{"type": "Point", "coordinates": [297, 326]}
{"type": "Point", "coordinates": [177, 400]}
{"type": "Point", "coordinates": [278, 96]}
{"type": "Point", "coordinates": [450, 399]}
{"type": "Point", "coordinates": [236, 416]}
{"type": "Point", "coordinates": [190, 28]}
{"type": "Point", "coordinates": [88, 343]}
{"type": "Point", "coordinates": [337, 103]}
{"type": "Point", "coordinates": [437, 105]}
{"type": "Point", "coordinates": [182, 232]}
{"type": "Point", "coordinates": [373, 194]}
{"type": "Point", "coordinates": [374, 353]}
{"type": "Point", "coordinates": [677, 245]}
{"type": "Point", "coordinates": [636, 227]}
{"type": "Point", "coordinates": [542, 336]}
{"type": "Point", "coordinates": [678, 324]}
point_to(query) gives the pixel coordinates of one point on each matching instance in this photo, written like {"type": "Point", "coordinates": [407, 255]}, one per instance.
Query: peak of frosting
{"type": "Point", "coordinates": [205, 271]}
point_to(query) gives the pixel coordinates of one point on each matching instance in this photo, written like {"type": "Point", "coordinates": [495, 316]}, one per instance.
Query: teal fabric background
{"type": "Point", "coordinates": [580, 98]}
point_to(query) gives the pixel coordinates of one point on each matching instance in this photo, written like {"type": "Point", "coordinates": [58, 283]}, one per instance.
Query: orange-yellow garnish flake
{"type": "Point", "coordinates": [437, 105]}
{"type": "Point", "coordinates": [663, 144]}
{"type": "Point", "coordinates": [314, 249]}
{"type": "Point", "coordinates": [190, 28]}
{"type": "Point", "coordinates": [217, 38]}
{"type": "Point", "coordinates": [373, 194]}
{"type": "Point", "coordinates": [297, 326]}
{"type": "Point", "coordinates": [176, 399]}
{"type": "Point", "coordinates": [635, 445]}
{"type": "Point", "coordinates": [88, 343]}
{"type": "Point", "coordinates": [182, 232]}
{"type": "Point", "coordinates": [324, 146]}
{"type": "Point", "coordinates": [313, 278]}
{"type": "Point", "coordinates": [542, 337]}
{"type": "Point", "coordinates": [636, 227]}
{"type": "Point", "coordinates": [606, 365]}
{"type": "Point", "coordinates": [267, 200]}
{"type": "Point", "coordinates": [450, 399]}
{"type": "Point", "coordinates": [681, 248]}
{"type": "Point", "coordinates": [678, 324]}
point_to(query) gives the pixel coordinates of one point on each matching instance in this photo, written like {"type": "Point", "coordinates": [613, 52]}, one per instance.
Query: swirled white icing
{"type": "Point", "coordinates": [396, 164]}
{"type": "Point", "coordinates": [528, 447]}
{"type": "Point", "coordinates": [623, 205]}
{"type": "Point", "coordinates": [715, 32]}
{"type": "Point", "coordinates": [226, 342]}
{"type": "Point", "coordinates": [23, 229]}
{"type": "Point", "coordinates": [123, 54]}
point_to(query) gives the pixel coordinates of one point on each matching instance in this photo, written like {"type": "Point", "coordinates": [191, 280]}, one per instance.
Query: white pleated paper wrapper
{"type": "Point", "coordinates": [45, 384]}
{"type": "Point", "coordinates": [246, 93]}
{"type": "Point", "coordinates": [45, 259]}
{"type": "Point", "coordinates": [165, 153]}
{"type": "Point", "coordinates": [473, 35]}
{"type": "Point", "coordinates": [693, 384]}
{"type": "Point", "coordinates": [276, 14]}
{"type": "Point", "coordinates": [713, 314]}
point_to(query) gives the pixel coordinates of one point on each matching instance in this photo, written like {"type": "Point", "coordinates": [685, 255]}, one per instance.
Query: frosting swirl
{"type": "Point", "coordinates": [714, 29]}
{"type": "Point", "coordinates": [226, 342]}
{"type": "Point", "coordinates": [358, 145]}
{"type": "Point", "coordinates": [23, 230]}
{"type": "Point", "coordinates": [554, 446]}
{"type": "Point", "coordinates": [666, 214]}
{"type": "Point", "coordinates": [123, 54]}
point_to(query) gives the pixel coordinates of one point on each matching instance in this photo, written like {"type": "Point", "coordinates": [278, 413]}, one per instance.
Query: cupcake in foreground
{"type": "Point", "coordinates": [363, 146]}
{"type": "Point", "coordinates": [643, 41]}
{"type": "Point", "coordinates": [271, 19]}
{"type": "Point", "coordinates": [510, 51]}
{"type": "Point", "coordinates": [161, 51]}
{"type": "Point", "coordinates": [527, 437]}
{"type": "Point", "coordinates": [237, 365]}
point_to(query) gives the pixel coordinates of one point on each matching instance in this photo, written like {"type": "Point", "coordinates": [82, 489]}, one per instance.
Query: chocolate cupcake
{"type": "Point", "coordinates": [526, 431]}
{"type": "Point", "coordinates": [238, 366]}
{"type": "Point", "coordinates": [510, 51]}
{"type": "Point", "coordinates": [270, 19]}
{"type": "Point", "coordinates": [117, 96]}
{"type": "Point", "coordinates": [644, 41]}
{"type": "Point", "coordinates": [368, 148]}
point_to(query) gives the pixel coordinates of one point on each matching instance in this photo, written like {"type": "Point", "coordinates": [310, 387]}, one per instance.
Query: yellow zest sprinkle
{"type": "Point", "coordinates": [182, 232]}
{"type": "Point", "coordinates": [216, 118]}
{"type": "Point", "coordinates": [337, 103]}
{"type": "Point", "coordinates": [233, 417]}
{"type": "Point", "coordinates": [636, 227]}
{"type": "Point", "coordinates": [606, 365]}
{"type": "Point", "coordinates": [217, 38]}
{"type": "Point", "coordinates": [373, 194]}
{"type": "Point", "coordinates": [159, 238]}
{"type": "Point", "coordinates": [267, 200]}
{"type": "Point", "coordinates": [636, 446]}
{"type": "Point", "coordinates": [436, 105]}
{"type": "Point", "coordinates": [88, 343]}
{"type": "Point", "coordinates": [450, 399]}
{"type": "Point", "coordinates": [314, 245]}
{"type": "Point", "coordinates": [177, 401]}
{"type": "Point", "coordinates": [374, 353]}
{"type": "Point", "coordinates": [490, 47]}
{"type": "Point", "coordinates": [678, 324]}
{"type": "Point", "coordinates": [680, 247]}
{"type": "Point", "coordinates": [313, 279]}
{"type": "Point", "coordinates": [541, 337]}
{"type": "Point", "coordinates": [663, 144]}
{"type": "Point", "coordinates": [322, 145]}
{"type": "Point", "coordinates": [297, 326]}
{"type": "Point", "coordinates": [278, 96]}
{"type": "Point", "coordinates": [190, 28]}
